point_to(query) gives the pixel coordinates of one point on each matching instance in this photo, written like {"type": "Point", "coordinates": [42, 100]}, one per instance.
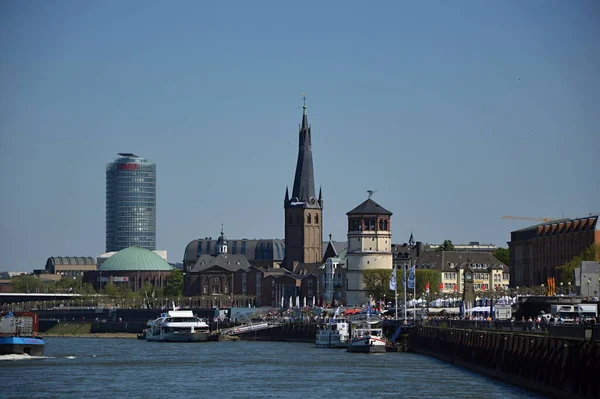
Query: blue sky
{"type": "Point", "coordinates": [456, 112]}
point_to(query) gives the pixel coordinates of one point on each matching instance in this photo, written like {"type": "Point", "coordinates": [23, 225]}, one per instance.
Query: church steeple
{"type": "Point", "coordinates": [303, 210]}
{"type": "Point", "coordinates": [303, 191]}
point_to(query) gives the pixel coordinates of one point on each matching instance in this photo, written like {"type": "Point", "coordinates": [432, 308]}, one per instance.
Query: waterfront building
{"type": "Point", "coordinates": [100, 259]}
{"type": "Point", "coordinates": [369, 246]}
{"type": "Point", "coordinates": [473, 246]}
{"type": "Point", "coordinates": [488, 272]}
{"type": "Point", "coordinates": [220, 274]}
{"type": "Point", "coordinates": [130, 203]}
{"type": "Point", "coordinates": [303, 210]}
{"type": "Point", "coordinates": [536, 251]}
{"type": "Point", "coordinates": [58, 267]}
{"type": "Point", "coordinates": [587, 279]}
{"type": "Point", "coordinates": [266, 253]}
{"type": "Point", "coordinates": [132, 267]}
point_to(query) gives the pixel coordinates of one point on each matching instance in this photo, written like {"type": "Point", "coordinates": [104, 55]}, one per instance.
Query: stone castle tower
{"type": "Point", "coordinates": [369, 246]}
{"type": "Point", "coordinates": [303, 210]}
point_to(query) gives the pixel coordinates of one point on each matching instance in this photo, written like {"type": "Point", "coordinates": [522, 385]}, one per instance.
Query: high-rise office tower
{"type": "Point", "coordinates": [130, 203]}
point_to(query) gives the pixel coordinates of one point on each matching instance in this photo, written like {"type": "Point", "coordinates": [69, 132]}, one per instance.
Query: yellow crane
{"type": "Point", "coordinates": [528, 218]}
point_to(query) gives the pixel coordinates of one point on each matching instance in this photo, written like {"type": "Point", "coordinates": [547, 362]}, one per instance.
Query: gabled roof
{"type": "Point", "coordinates": [228, 262]}
{"type": "Point", "coordinates": [450, 260]}
{"type": "Point", "coordinates": [369, 207]}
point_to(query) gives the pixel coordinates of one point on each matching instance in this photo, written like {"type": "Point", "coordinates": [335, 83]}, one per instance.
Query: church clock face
{"type": "Point", "coordinates": [469, 277]}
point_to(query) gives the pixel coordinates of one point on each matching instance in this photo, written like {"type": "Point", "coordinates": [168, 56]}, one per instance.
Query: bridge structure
{"type": "Point", "coordinates": [246, 328]}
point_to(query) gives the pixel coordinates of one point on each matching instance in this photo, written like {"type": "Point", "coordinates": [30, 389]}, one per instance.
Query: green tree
{"type": "Point", "coordinates": [110, 290]}
{"type": "Point", "coordinates": [377, 283]}
{"type": "Point", "coordinates": [592, 253]}
{"type": "Point", "coordinates": [502, 255]}
{"type": "Point", "coordinates": [174, 287]}
{"type": "Point", "coordinates": [446, 246]}
{"type": "Point", "coordinates": [422, 276]}
{"type": "Point", "coordinates": [27, 283]}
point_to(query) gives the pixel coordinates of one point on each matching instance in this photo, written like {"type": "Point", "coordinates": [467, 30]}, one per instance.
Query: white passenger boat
{"type": "Point", "coordinates": [334, 334]}
{"type": "Point", "coordinates": [365, 337]}
{"type": "Point", "coordinates": [177, 326]}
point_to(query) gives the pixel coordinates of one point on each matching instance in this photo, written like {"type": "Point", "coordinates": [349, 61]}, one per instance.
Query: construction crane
{"type": "Point", "coordinates": [527, 218]}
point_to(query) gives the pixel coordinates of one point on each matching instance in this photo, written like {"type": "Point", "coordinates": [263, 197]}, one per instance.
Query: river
{"type": "Point", "coordinates": [129, 368]}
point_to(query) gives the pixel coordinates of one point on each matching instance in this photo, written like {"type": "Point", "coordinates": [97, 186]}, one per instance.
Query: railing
{"type": "Point", "coordinates": [569, 331]}
{"type": "Point", "coordinates": [222, 301]}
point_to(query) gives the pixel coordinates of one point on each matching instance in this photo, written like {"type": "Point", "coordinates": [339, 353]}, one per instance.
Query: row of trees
{"type": "Point", "coordinates": [566, 271]}
{"type": "Point", "coordinates": [32, 284]}
{"type": "Point", "coordinates": [377, 282]}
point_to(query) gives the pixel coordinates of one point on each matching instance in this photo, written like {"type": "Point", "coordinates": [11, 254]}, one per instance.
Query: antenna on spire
{"type": "Point", "coordinates": [221, 228]}
{"type": "Point", "coordinates": [371, 192]}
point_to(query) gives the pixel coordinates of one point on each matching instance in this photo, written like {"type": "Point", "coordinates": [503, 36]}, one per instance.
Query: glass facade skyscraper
{"type": "Point", "coordinates": [130, 203]}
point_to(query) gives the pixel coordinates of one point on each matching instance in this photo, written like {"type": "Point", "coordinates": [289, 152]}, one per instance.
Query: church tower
{"type": "Point", "coordinates": [369, 246]}
{"type": "Point", "coordinates": [303, 210]}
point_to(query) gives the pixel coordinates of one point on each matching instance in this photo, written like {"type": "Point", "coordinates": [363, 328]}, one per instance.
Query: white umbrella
{"type": "Point", "coordinates": [313, 301]}
{"type": "Point", "coordinates": [304, 301]}
{"type": "Point", "coordinates": [291, 303]}
{"type": "Point", "coordinates": [281, 301]}
{"type": "Point", "coordinates": [297, 301]}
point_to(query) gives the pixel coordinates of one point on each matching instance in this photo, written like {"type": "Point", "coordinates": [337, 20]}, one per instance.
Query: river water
{"type": "Point", "coordinates": [129, 368]}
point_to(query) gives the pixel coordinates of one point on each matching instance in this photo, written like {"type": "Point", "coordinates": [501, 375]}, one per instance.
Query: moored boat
{"type": "Point", "coordinates": [365, 337]}
{"type": "Point", "coordinates": [334, 334]}
{"type": "Point", "coordinates": [177, 326]}
{"type": "Point", "coordinates": [18, 334]}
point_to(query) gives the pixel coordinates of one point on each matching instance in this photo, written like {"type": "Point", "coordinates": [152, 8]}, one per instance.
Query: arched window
{"type": "Point", "coordinates": [381, 225]}
{"type": "Point", "coordinates": [316, 219]}
{"type": "Point", "coordinates": [205, 291]}
{"type": "Point", "coordinates": [308, 219]}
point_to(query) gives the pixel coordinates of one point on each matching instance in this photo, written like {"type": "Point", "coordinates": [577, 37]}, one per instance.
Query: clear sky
{"type": "Point", "coordinates": [457, 113]}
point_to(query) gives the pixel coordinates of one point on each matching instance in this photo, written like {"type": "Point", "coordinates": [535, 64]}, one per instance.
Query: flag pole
{"type": "Point", "coordinates": [396, 289]}
{"type": "Point", "coordinates": [414, 292]}
{"type": "Point", "coordinates": [405, 285]}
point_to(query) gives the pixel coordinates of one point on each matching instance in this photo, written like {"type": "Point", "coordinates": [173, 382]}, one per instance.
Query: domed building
{"type": "Point", "coordinates": [134, 266]}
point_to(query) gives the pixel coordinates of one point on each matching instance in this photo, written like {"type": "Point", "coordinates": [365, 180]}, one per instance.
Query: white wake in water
{"type": "Point", "coordinates": [20, 357]}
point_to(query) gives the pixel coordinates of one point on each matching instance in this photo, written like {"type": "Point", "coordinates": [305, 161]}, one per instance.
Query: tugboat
{"type": "Point", "coordinates": [18, 334]}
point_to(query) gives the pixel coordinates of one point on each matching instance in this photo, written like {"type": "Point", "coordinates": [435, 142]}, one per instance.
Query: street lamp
{"type": "Point", "coordinates": [569, 288]}
{"type": "Point", "coordinates": [589, 280]}
{"type": "Point", "coordinates": [561, 288]}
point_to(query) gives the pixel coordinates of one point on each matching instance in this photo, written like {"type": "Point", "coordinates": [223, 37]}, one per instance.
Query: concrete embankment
{"type": "Point", "coordinates": [558, 368]}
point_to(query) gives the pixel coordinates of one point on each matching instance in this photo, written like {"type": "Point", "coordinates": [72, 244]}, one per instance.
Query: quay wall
{"type": "Point", "coordinates": [288, 332]}
{"type": "Point", "coordinates": [556, 367]}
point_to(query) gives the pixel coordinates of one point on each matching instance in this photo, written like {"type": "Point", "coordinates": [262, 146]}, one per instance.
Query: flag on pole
{"type": "Point", "coordinates": [404, 276]}
{"type": "Point", "coordinates": [393, 280]}
{"type": "Point", "coordinates": [427, 288]}
{"type": "Point", "coordinates": [411, 277]}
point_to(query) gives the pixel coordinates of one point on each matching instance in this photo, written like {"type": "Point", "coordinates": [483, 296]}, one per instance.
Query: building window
{"type": "Point", "coordinates": [308, 219]}
{"type": "Point", "coordinates": [227, 289]}
{"type": "Point", "coordinates": [310, 293]}
{"type": "Point", "coordinates": [316, 219]}
{"type": "Point", "coordinates": [381, 225]}
{"type": "Point", "coordinates": [310, 282]}
{"type": "Point", "coordinates": [205, 290]}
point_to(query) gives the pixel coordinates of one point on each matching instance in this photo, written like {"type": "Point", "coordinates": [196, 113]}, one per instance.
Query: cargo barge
{"type": "Point", "coordinates": [19, 334]}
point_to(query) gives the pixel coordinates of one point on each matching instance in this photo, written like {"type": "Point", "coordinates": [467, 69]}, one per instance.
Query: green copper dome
{"type": "Point", "coordinates": [135, 259]}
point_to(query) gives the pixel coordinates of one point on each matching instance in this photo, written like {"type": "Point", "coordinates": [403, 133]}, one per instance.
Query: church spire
{"type": "Point", "coordinates": [304, 181]}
